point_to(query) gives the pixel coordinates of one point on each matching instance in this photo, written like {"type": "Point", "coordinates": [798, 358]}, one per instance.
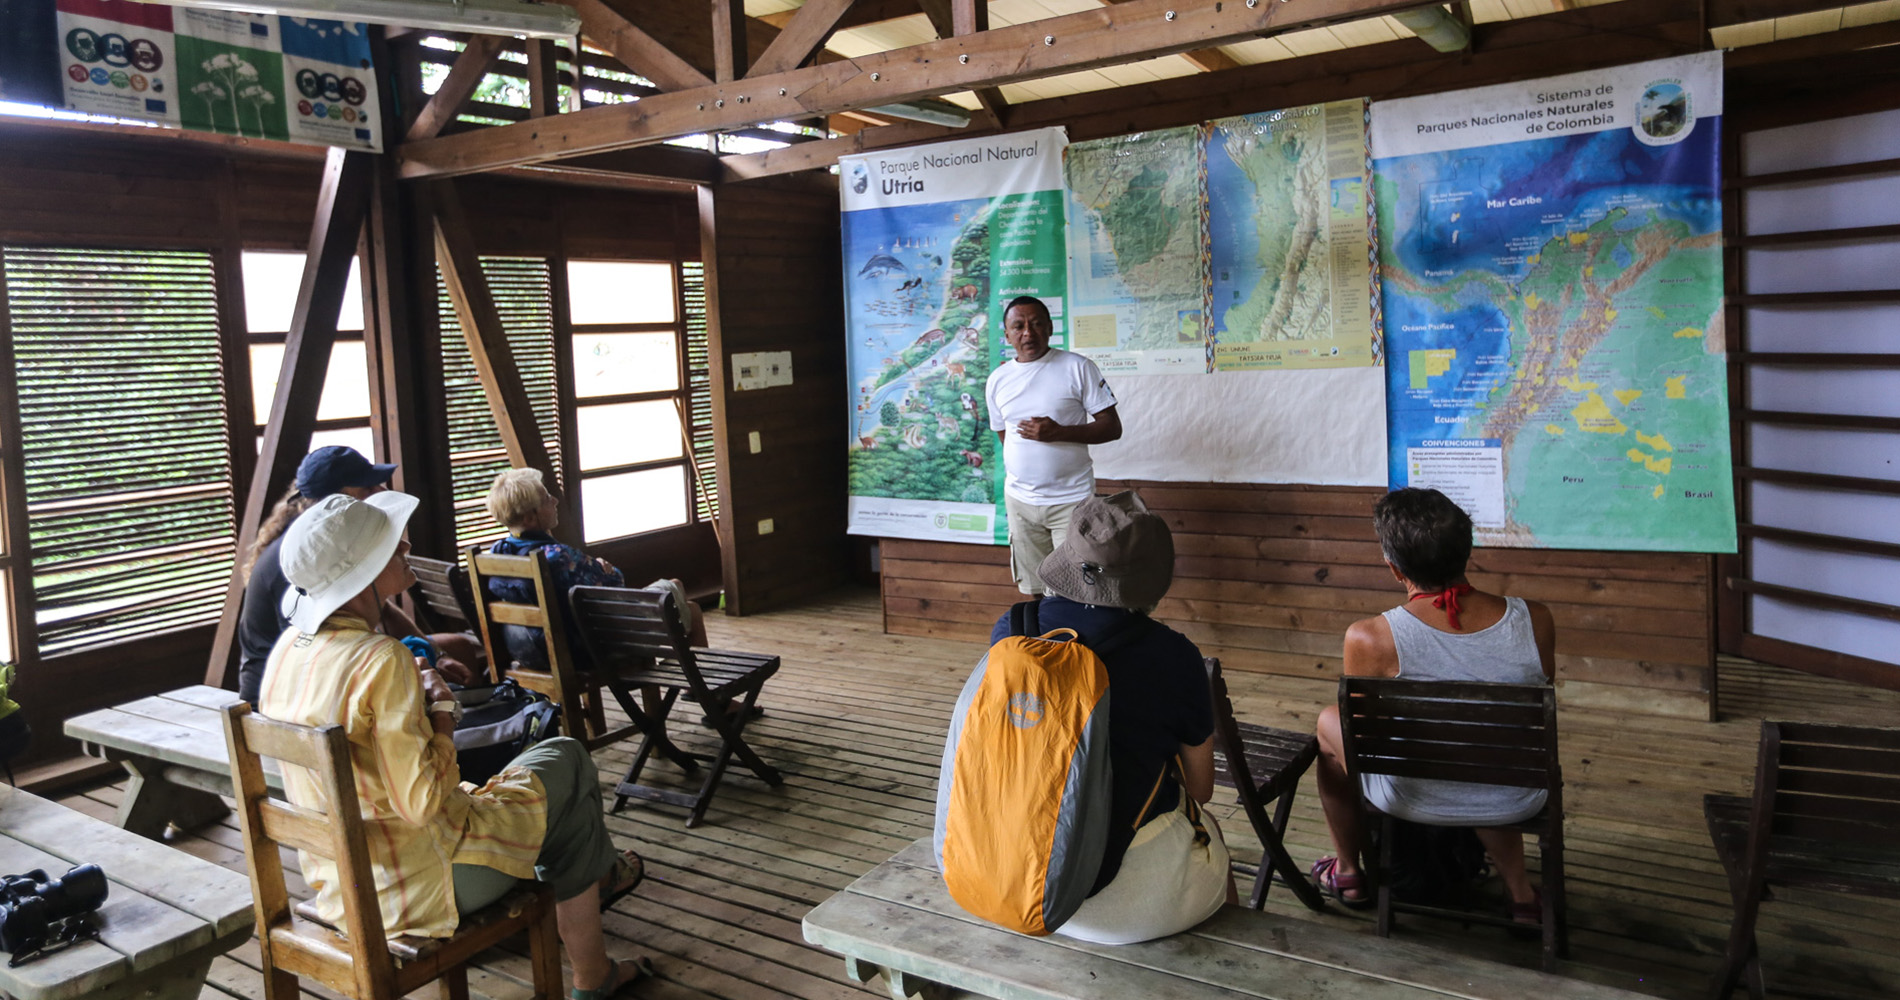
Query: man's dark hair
{"type": "Point", "coordinates": [1424, 535]}
{"type": "Point", "coordinates": [1028, 300]}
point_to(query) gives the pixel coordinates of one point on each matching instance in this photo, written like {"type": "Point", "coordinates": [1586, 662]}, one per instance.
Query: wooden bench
{"type": "Point", "coordinates": [166, 915]}
{"type": "Point", "coordinates": [899, 920]}
{"type": "Point", "coordinates": [173, 747]}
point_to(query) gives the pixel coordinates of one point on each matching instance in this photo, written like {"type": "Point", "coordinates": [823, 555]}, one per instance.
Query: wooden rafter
{"type": "Point", "coordinates": [637, 50]}
{"type": "Point", "coordinates": [862, 13]}
{"type": "Point", "coordinates": [801, 36]}
{"type": "Point", "coordinates": [544, 79]}
{"type": "Point", "coordinates": [1139, 29]}
{"type": "Point", "coordinates": [342, 204]}
{"type": "Point", "coordinates": [450, 98]}
{"type": "Point", "coordinates": [487, 341]}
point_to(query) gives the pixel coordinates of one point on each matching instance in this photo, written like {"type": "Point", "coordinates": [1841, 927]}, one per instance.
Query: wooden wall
{"type": "Point", "coordinates": [1268, 577]}
{"type": "Point", "coordinates": [773, 283]}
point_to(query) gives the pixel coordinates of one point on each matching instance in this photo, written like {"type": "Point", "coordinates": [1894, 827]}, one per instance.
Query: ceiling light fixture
{"type": "Point", "coordinates": [526, 18]}
{"type": "Point", "coordinates": [930, 110]}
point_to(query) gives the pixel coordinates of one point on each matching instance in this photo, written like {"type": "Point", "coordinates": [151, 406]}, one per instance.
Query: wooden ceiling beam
{"type": "Point", "coordinates": [477, 58]}
{"type": "Point", "coordinates": [1723, 13]}
{"type": "Point", "coordinates": [1205, 60]}
{"type": "Point", "coordinates": [1140, 29]}
{"type": "Point", "coordinates": [1522, 47]}
{"type": "Point", "coordinates": [862, 13]}
{"type": "Point", "coordinates": [800, 37]}
{"type": "Point", "coordinates": [637, 50]}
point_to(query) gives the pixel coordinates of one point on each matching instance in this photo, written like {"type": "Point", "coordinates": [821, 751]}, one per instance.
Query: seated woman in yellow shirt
{"type": "Point", "coordinates": [439, 848]}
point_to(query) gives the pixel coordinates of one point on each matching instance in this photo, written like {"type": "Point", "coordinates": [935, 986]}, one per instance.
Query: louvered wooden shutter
{"type": "Point", "coordinates": [699, 390]}
{"type": "Point", "coordinates": [523, 295]}
{"type": "Point", "coordinates": [126, 448]}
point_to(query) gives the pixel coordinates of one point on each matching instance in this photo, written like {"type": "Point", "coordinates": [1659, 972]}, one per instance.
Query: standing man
{"type": "Point", "coordinates": [1046, 408]}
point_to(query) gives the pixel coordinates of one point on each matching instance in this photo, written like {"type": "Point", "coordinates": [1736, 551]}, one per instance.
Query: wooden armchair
{"type": "Point", "coordinates": [354, 959]}
{"type": "Point", "coordinates": [639, 638]}
{"type": "Point", "coordinates": [1264, 766]}
{"type": "Point", "coordinates": [442, 592]}
{"type": "Point", "coordinates": [1492, 734]}
{"type": "Point", "coordinates": [577, 691]}
{"type": "Point", "coordinates": [1823, 816]}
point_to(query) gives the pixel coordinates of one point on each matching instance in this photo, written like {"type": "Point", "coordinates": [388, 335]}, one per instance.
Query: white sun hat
{"type": "Point", "coordinates": [336, 549]}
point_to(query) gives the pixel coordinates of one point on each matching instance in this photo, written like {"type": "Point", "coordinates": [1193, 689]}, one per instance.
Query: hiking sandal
{"type": "Point", "coordinates": [642, 968]}
{"type": "Point", "coordinates": [1332, 882]}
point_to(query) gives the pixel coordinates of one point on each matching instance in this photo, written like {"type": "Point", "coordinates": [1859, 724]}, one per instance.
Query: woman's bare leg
{"type": "Point", "coordinates": [578, 921]}
{"type": "Point", "coordinates": [1506, 848]}
{"type": "Point", "coordinates": [1336, 795]}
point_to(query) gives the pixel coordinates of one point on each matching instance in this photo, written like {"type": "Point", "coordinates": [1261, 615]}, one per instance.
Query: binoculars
{"type": "Point", "coordinates": [37, 913]}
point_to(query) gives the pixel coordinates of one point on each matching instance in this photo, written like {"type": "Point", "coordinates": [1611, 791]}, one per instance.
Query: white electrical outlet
{"type": "Point", "coordinates": [765, 526]}
{"type": "Point", "coordinates": [752, 440]}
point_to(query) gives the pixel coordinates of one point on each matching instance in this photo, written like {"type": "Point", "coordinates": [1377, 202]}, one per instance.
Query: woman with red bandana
{"type": "Point", "coordinates": [1446, 630]}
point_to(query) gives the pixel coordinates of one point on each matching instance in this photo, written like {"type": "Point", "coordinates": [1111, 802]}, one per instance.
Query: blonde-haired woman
{"type": "Point", "coordinates": [519, 501]}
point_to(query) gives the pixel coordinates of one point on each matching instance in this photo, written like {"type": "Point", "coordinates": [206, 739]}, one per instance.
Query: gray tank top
{"type": "Point", "coordinates": [1505, 653]}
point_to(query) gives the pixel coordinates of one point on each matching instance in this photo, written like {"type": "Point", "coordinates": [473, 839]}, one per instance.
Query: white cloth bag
{"type": "Point", "coordinates": [1167, 884]}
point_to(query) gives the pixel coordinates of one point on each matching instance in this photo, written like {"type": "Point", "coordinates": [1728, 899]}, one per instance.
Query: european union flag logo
{"type": "Point", "coordinates": [363, 134]}
{"type": "Point", "coordinates": [155, 106]}
{"type": "Point", "coordinates": [260, 28]}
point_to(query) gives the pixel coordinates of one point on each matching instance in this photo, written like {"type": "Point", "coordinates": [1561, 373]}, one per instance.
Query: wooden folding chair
{"type": "Point", "coordinates": [1264, 766]}
{"type": "Point", "coordinates": [354, 959]}
{"type": "Point", "coordinates": [442, 592]}
{"type": "Point", "coordinates": [638, 637]}
{"type": "Point", "coordinates": [1489, 734]}
{"type": "Point", "coordinates": [1823, 816]}
{"type": "Point", "coordinates": [577, 690]}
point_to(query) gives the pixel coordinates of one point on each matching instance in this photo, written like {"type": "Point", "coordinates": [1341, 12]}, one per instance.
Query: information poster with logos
{"type": "Point", "coordinates": [936, 240]}
{"type": "Point", "coordinates": [1551, 259]}
{"type": "Point", "coordinates": [256, 75]}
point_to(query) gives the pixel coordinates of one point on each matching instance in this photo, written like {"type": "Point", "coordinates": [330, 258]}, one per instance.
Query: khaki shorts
{"type": "Point", "coordinates": [1034, 532]}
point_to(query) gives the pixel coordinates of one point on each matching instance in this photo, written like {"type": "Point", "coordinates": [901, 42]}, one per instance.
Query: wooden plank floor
{"type": "Point", "coordinates": [855, 720]}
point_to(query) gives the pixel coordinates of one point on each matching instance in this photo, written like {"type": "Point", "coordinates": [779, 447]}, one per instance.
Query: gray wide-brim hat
{"type": "Point", "coordinates": [336, 549]}
{"type": "Point", "coordinates": [1116, 555]}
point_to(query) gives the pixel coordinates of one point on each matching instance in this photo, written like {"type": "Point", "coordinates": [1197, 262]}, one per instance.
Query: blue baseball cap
{"type": "Point", "coordinates": [328, 470]}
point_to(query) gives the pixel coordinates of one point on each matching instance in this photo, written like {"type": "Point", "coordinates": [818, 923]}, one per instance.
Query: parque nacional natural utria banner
{"type": "Point", "coordinates": [1551, 262]}
{"type": "Point", "coordinates": [937, 239]}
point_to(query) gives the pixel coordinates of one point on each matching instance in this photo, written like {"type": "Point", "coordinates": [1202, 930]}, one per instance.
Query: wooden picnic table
{"type": "Point", "coordinates": [899, 920]}
{"type": "Point", "coordinates": [172, 746]}
{"type": "Point", "coordinates": [166, 914]}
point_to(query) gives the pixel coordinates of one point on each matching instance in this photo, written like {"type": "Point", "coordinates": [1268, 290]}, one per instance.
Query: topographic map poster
{"type": "Point", "coordinates": [1135, 243]}
{"type": "Point", "coordinates": [937, 239]}
{"type": "Point", "coordinates": [1290, 279]}
{"type": "Point", "coordinates": [298, 79]}
{"type": "Point", "coordinates": [1551, 256]}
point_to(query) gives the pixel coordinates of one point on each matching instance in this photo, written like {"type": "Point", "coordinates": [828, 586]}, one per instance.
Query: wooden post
{"type": "Point", "coordinates": [341, 204]}
{"type": "Point", "coordinates": [544, 78]}
{"type": "Point", "coordinates": [730, 55]}
{"type": "Point", "coordinates": [719, 386]}
{"type": "Point", "coordinates": [487, 341]}
{"type": "Point", "coordinates": [464, 76]}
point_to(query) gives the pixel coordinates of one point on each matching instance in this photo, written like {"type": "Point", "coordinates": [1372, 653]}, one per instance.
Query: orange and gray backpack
{"type": "Point", "coordinates": [1024, 792]}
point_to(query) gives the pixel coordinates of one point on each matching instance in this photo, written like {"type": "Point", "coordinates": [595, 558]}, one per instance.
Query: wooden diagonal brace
{"type": "Point", "coordinates": [487, 340]}
{"type": "Point", "coordinates": [342, 205]}
{"type": "Point", "coordinates": [801, 36]}
{"type": "Point", "coordinates": [967, 17]}
{"type": "Point", "coordinates": [450, 98]}
{"type": "Point", "coordinates": [638, 50]}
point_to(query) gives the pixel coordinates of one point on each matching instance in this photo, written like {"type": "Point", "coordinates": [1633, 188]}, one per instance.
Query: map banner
{"type": "Point", "coordinates": [1136, 226]}
{"type": "Point", "coordinates": [294, 79]}
{"type": "Point", "coordinates": [1290, 280]}
{"type": "Point", "coordinates": [937, 239]}
{"type": "Point", "coordinates": [1551, 264]}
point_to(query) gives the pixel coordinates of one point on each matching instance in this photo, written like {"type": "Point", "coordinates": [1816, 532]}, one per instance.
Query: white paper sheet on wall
{"type": "Point", "coordinates": [1312, 426]}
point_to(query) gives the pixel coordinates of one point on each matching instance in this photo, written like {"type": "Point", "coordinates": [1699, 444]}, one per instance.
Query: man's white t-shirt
{"type": "Point", "coordinates": [1066, 388]}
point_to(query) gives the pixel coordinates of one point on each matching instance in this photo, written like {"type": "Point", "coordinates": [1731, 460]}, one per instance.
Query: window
{"type": "Point", "coordinates": [523, 293]}
{"type": "Point", "coordinates": [639, 367]}
{"type": "Point", "coordinates": [124, 441]}
{"type": "Point", "coordinates": [271, 282]}
{"type": "Point", "coordinates": [1817, 582]}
